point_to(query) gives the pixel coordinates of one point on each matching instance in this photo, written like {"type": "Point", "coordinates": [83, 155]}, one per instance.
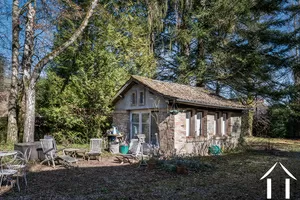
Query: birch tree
{"type": "Point", "coordinates": [31, 71]}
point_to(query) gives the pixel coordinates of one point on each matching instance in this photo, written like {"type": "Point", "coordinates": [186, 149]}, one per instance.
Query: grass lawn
{"type": "Point", "coordinates": [231, 176]}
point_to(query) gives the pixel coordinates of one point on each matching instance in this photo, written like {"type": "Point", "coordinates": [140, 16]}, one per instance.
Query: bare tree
{"type": "Point", "coordinates": [12, 128]}
{"type": "Point", "coordinates": [30, 70]}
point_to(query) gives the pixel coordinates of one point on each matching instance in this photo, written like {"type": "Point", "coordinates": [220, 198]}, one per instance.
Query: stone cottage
{"type": "Point", "coordinates": [186, 119]}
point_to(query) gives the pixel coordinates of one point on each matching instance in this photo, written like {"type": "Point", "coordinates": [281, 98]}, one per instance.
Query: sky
{"type": "Point", "coordinates": [5, 28]}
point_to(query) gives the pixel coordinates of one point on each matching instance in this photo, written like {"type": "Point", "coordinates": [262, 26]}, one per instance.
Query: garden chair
{"type": "Point", "coordinates": [6, 173]}
{"type": "Point", "coordinates": [51, 154]}
{"type": "Point", "coordinates": [134, 152]}
{"type": "Point", "coordinates": [20, 163]}
{"type": "Point", "coordinates": [95, 148]}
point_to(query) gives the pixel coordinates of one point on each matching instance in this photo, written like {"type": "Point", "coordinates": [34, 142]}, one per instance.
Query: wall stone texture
{"type": "Point", "coordinates": [121, 119]}
{"type": "Point", "coordinates": [172, 131]}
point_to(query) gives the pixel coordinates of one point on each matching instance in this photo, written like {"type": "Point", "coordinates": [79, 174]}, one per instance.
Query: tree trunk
{"type": "Point", "coordinates": [12, 127]}
{"type": "Point", "coordinates": [29, 85]}
{"type": "Point", "coordinates": [250, 123]}
{"type": "Point", "coordinates": [29, 121]}
{"type": "Point", "coordinates": [30, 78]}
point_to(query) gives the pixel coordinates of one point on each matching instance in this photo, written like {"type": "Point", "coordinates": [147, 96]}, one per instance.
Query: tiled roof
{"type": "Point", "coordinates": [188, 94]}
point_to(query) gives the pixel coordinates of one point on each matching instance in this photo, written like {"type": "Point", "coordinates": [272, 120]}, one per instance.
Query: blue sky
{"type": "Point", "coordinates": [5, 28]}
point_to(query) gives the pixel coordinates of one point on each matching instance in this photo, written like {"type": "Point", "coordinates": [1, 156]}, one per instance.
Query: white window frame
{"type": "Point", "coordinates": [198, 124]}
{"type": "Point", "coordinates": [140, 123]}
{"type": "Point", "coordinates": [216, 124]}
{"type": "Point", "coordinates": [188, 123]}
{"type": "Point", "coordinates": [223, 123]}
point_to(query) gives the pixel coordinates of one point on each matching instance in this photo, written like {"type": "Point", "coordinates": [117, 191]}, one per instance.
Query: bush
{"type": "Point", "coordinates": [3, 129]}
{"type": "Point", "coordinates": [191, 163]}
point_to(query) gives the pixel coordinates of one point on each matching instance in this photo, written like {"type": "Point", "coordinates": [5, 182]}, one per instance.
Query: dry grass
{"type": "Point", "coordinates": [234, 176]}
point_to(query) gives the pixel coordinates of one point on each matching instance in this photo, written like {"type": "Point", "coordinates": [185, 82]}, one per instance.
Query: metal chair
{"type": "Point", "coordinates": [95, 148]}
{"type": "Point", "coordinates": [51, 154]}
{"type": "Point", "coordinates": [21, 163]}
{"type": "Point", "coordinates": [6, 173]}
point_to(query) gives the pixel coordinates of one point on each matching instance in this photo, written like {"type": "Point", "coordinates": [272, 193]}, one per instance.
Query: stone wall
{"type": "Point", "coordinates": [166, 132]}
{"type": "Point", "coordinates": [121, 119]}
{"type": "Point", "coordinates": [198, 145]}
{"type": "Point", "coordinates": [172, 131]}
{"type": "Point", "coordinates": [180, 133]}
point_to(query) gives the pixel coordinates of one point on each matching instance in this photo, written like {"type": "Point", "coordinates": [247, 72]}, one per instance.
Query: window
{"type": "Point", "coordinates": [142, 98]}
{"type": "Point", "coordinates": [135, 124]}
{"type": "Point", "coordinates": [188, 123]}
{"type": "Point", "coordinates": [133, 99]}
{"type": "Point", "coordinates": [198, 124]}
{"type": "Point", "coordinates": [140, 124]}
{"type": "Point", "coordinates": [223, 124]}
{"type": "Point", "coordinates": [211, 124]}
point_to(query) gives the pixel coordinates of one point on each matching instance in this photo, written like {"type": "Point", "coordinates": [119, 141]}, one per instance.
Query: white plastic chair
{"type": "Point", "coordinates": [50, 152]}
{"type": "Point", "coordinates": [95, 148]}
{"type": "Point", "coordinates": [134, 152]}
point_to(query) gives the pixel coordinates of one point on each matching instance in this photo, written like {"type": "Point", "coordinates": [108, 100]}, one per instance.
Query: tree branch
{"type": "Point", "coordinates": [39, 66]}
{"type": "Point", "coordinates": [23, 8]}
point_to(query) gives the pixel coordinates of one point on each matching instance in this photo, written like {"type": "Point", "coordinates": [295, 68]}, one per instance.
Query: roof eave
{"type": "Point", "coordinates": [209, 105]}
{"type": "Point", "coordinates": [120, 92]}
{"type": "Point", "coordinates": [134, 80]}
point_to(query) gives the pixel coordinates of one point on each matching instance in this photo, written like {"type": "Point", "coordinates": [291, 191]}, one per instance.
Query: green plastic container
{"type": "Point", "coordinates": [124, 149]}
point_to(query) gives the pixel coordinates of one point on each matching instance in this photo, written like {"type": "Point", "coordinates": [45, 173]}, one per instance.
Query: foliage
{"type": "Point", "coordinates": [75, 97]}
{"type": "Point", "coordinates": [3, 126]}
{"type": "Point", "coordinates": [191, 163]}
{"type": "Point", "coordinates": [239, 49]}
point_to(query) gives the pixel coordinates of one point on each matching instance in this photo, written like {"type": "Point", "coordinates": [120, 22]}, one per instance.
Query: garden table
{"type": "Point", "coordinates": [74, 152]}
{"type": "Point", "coordinates": [70, 152]}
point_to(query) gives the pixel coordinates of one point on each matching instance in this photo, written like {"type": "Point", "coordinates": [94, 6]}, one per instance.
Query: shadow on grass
{"type": "Point", "coordinates": [234, 176]}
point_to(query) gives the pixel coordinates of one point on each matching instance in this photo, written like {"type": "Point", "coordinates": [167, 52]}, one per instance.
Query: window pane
{"type": "Point", "coordinates": [135, 117]}
{"type": "Point", "coordinates": [198, 123]}
{"type": "Point", "coordinates": [145, 130]}
{"type": "Point", "coordinates": [224, 124]}
{"type": "Point", "coordinates": [141, 97]}
{"type": "Point", "coordinates": [145, 118]}
{"type": "Point", "coordinates": [188, 123]}
{"type": "Point", "coordinates": [135, 129]}
{"type": "Point", "coordinates": [133, 98]}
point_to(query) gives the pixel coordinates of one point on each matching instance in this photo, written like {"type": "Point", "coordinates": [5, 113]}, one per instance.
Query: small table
{"type": "Point", "coordinates": [74, 152]}
{"type": "Point", "coordinates": [70, 152]}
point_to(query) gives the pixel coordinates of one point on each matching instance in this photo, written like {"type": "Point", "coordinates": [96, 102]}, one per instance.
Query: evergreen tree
{"type": "Point", "coordinates": [83, 80]}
